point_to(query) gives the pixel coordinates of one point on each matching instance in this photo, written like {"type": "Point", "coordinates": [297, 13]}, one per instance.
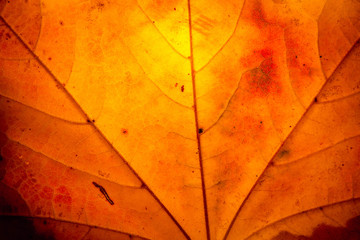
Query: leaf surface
{"type": "Point", "coordinates": [179, 119]}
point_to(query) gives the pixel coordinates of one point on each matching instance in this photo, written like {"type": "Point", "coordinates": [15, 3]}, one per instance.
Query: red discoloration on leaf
{"type": "Point", "coordinates": [62, 196]}
{"type": "Point", "coordinates": [265, 78]}
{"type": "Point", "coordinates": [62, 199]}
{"type": "Point", "coordinates": [266, 53]}
{"type": "Point", "coordinates": [62, 190]}
{"type": "Point", "coordinates": [258, 15]}
{"type": "Point", "coordinates": [47, 193]}
{"type": "Point", "coordinates": [268, 67]}
{"type": "Point", "coordinates": [262, 80]}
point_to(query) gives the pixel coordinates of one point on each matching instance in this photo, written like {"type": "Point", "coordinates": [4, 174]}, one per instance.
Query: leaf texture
{"type": "Point", "coordinates": [180, 119]}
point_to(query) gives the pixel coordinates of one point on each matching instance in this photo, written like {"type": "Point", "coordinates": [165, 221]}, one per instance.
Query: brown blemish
{"type": "Point", "coordinates": [182, 88]}
{"type": "Point", "coordinates": [100, 6]}
{"type": "Point", "coordinates": [262, 79]}
{"type": "Point", "coordinates": [327, 232]}
{"type": "Point", "coordinates": [283, 153]}
{"type": "Point", "coordinates": [260, 83]}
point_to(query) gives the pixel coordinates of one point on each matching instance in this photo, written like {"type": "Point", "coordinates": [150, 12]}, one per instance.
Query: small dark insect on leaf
{"type": "Point", "coordinates": [103, 191]}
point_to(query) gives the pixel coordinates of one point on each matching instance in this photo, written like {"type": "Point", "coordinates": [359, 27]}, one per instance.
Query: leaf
{"type": "Point", "coordinates": [179, 119]}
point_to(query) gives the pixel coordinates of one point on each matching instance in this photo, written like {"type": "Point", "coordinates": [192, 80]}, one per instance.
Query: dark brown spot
{"type": "Point", "coordinates": [327, 232]}
{"type": "Point", "coordinates": [283, 153]}
{"type": "Point", "coordinates": [315, 100]}
{"type": "Point", "coordinates": [201, 130]}
{"type": "Point", "coordinates": [182, 88]}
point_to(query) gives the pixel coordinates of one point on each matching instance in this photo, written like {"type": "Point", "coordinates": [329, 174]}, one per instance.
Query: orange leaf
{"type": "Point", "coordinates": [179, 119]}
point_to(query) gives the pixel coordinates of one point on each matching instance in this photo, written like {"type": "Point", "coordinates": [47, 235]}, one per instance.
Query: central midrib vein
{"type": "Point", "coordinates": [197, 127]}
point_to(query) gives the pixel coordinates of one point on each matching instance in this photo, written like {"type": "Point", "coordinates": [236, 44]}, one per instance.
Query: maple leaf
{"type": "Point", "coordinates": [179, 119]}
